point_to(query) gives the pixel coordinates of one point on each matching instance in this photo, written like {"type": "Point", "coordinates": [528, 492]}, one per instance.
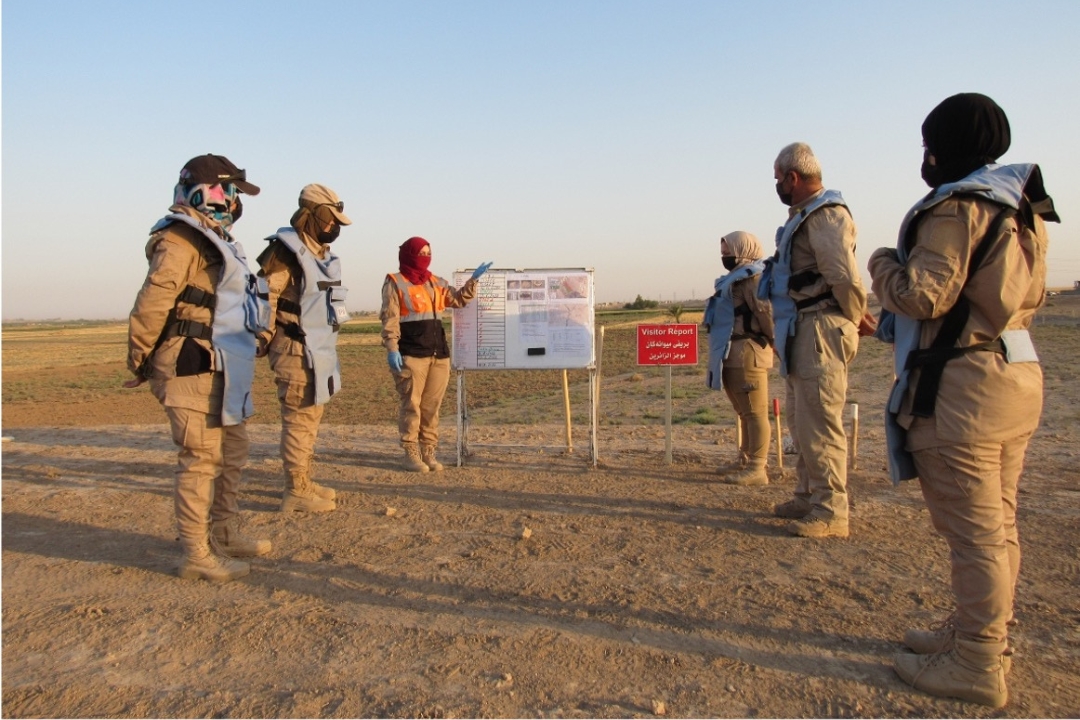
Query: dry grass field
{"type": "Point", "coordinates": [642, 589]}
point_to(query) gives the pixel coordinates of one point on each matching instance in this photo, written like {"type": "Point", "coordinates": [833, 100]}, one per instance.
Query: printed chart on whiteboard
{"type": "Point", "coordinates": [525, 319]}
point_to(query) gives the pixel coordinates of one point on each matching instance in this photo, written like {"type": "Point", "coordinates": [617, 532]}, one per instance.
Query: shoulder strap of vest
{"type": "Point", "coordinates": [943, 348]}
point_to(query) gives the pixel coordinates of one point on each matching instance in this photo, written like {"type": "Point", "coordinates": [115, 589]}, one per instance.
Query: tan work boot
{"type": "Point", "coordinates": [939, 638]}
{"type": "Point", "coordinates": [225, 537]}
{"type": "Point", "coordinates": [750, 475]}
{"type": "Point", "coordinates": [202, 564]}
{"type": "Point", "coordinates": [963, 672]}
{"type": "Point", "coordinates": [796, 508]}
{"type": "Point", "coordinates": [812, 526]}
{"type": "Point", "coordinates": [300, 496]}
{"type": "Point", "coordinates": [413, 461]}
{"type": "Point", "coordinates": [326, 493]}
{"type": "Point", "coordinates": [734, 466]}
{"type": "Point", "coordinates": [427, 455]}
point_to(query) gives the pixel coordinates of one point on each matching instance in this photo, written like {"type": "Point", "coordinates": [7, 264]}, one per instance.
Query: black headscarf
{"type": "Point", "coordinates": [963, 133]}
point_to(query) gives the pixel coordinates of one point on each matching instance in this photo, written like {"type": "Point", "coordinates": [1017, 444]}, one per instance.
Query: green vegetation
{"type": "Point", "coordinates": [641, 303]}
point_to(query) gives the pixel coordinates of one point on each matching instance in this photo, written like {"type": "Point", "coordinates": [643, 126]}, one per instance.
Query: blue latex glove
{"type": "Point", "coordinates": [480, 270]}
{"type": "Point", "coordinates": [393, 359]}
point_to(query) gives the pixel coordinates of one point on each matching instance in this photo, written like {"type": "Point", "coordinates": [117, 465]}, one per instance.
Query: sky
{"type": "Point", "coordinates": [621, 136]}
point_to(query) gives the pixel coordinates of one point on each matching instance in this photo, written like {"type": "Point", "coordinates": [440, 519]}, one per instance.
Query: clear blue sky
{"type": "Point", "coordinates": [623, 136]}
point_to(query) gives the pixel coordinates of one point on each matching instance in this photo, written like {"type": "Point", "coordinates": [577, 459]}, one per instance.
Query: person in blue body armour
{"type": "Point", "coordinates": [192, 335]}
{"type": "Point", "coordinates": [958, 294]}
{"type": "Point", "coordinates": [307, 302]}
{"type": "Point", "coordinates": [740, 330]}
{"type": "Point", "coordinates": [819, 306]}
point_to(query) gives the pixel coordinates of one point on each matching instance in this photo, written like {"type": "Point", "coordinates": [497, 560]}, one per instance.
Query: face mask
{"type": "Point", "coordinates": [729, 262]}
{"type": "Point", "coordinates": [330, 235]}
{"type": "Point", "coordinates": [784, 197]}
{"type": "Point", "coordinates": [930, 173]}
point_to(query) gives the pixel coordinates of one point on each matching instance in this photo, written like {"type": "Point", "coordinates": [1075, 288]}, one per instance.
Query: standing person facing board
{"type": "Point", "coordinates": [958, 296]}
{"type": "Point", "coordinates": [192, 334]}
{"type": "Point", "coordinates": [417, 352]}
{"type": "Point", "coordinates": [819, 311]}
{"type": "Point", "coordinates": [740, 328]}
{"type": "Point", "coordinates": [307, 306]}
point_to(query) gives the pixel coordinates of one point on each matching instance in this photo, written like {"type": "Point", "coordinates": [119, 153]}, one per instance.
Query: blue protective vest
{"type": "Point", "coordinates": [239, 315]}
{"type": "Point", "coordinates": [777, 275]}
{"type": "Point", "coordinates": [322, 310]}
{"type": "Point", "coordinates": [720, 320]}
{"type": "Point", "coordinates": [1002, 184]}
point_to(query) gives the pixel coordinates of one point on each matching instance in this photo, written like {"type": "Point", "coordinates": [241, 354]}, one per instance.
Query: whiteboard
{"type": "Point", "coordinates": [526, 319]}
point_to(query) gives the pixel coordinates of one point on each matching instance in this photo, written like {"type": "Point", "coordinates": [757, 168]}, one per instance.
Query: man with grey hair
{"type": "Point", "coordinates": [819, 312]}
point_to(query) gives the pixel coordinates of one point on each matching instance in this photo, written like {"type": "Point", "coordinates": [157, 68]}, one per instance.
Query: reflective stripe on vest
{"type": "Point", "coordinates": [322, 300]}
{"type": "Point", "coordinates": [238, 316]}
{"type": "Point", "coordinates": [415, 300]}
{"type": "Point", "coordinates": [775, 280]}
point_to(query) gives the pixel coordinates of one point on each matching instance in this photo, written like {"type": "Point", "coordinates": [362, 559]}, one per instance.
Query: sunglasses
{"type": "Point", "coordinates": [339, 206]}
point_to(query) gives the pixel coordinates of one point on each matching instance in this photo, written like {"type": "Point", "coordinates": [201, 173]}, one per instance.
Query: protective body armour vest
{"type": "Point", "coordinates": [239, 314]}
{"type": "Point", "coordinates": [322, 310]}
{"type": "Point", "coordinates": [1001, 184]}
{"type": "Point", "coordinates": [720, 320]}
{"type": "Point", "coordinates": [775, 279]}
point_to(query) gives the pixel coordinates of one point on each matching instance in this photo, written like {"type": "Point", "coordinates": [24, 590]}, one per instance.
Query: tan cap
{"type": "Point", "coordinates": [314, 196]}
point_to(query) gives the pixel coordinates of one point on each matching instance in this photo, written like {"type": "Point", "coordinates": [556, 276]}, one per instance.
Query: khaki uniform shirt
{"type": "Point", "coordinates": [981, 398]}
{"type": "Point", "coordinates": [748, 353]}
{"type": "Point", "coordinates": [825, 243]}
{"type": "Point", "coordinates": [179, 256]}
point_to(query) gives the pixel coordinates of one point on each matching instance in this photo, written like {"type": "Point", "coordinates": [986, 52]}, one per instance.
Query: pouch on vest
{"type": "Point", "coordinates": [335, 305]}
{"type": "Point", "coordinates": [257, 305]}
{"type": "Point", "coordinates": [1018, 346]}
{"type": "Point", "coordinates": [193, 359]}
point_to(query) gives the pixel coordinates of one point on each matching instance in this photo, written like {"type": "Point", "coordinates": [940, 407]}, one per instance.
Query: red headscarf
{"type": "Point", "coordinates": [414, 266]}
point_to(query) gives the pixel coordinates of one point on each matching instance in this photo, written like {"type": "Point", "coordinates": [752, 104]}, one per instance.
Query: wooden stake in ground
{"type": "Point", "coordinates": [566, 402]}
{"type": "Point", "coordinates": [854, 436]}
{"type": "Point", "coordinates": [779, 434]}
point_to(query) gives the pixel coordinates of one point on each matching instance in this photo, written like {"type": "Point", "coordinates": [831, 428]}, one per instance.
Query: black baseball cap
{"type": "Point", "coordinates": [214, 170]}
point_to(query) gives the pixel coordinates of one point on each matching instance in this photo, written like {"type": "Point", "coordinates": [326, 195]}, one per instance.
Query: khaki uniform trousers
{"type": "Point", "coordinates": [748, 390]}
{"type": "Point", "coordinates": [300, 416]}
{"type": "Point", "coordinates": [970, 491]}
{"type": "Point", "coordinates": [211, 456]}
{"type": "Point", "coordinates": [421, 385]}
{"type": "Point", "coordinates": [825, 342]}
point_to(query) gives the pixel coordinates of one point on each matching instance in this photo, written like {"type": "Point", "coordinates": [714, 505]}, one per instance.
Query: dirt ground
{"type": "Point", "coordinates": [526, 583]}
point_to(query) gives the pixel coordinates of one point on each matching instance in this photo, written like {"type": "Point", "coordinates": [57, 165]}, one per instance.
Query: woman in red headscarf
{"type": "Point", "coordinates": [416, 349]}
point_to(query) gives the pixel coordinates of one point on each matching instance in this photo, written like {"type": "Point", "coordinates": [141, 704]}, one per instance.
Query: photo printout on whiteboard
{"type": "Point", "coordinates": [524, 319]}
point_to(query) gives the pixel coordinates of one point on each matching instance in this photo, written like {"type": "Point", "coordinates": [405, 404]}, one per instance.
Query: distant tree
{"type": "Point", "coordinates": [641, 303]}
{"type": "Point", "coordinates": [676, 311]}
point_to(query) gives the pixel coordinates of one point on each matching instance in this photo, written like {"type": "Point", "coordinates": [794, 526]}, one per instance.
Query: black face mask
{"type": "Point", "coordinates": [238, 209]}
{"type": "Point", "coordinates": [729, 262]}
{"type": "Point", "coordinates": [931, 174]}
{"type": "Point", "coordinates": [784, 197]}
{"type": "Point", "coordinates": [330, 235]}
